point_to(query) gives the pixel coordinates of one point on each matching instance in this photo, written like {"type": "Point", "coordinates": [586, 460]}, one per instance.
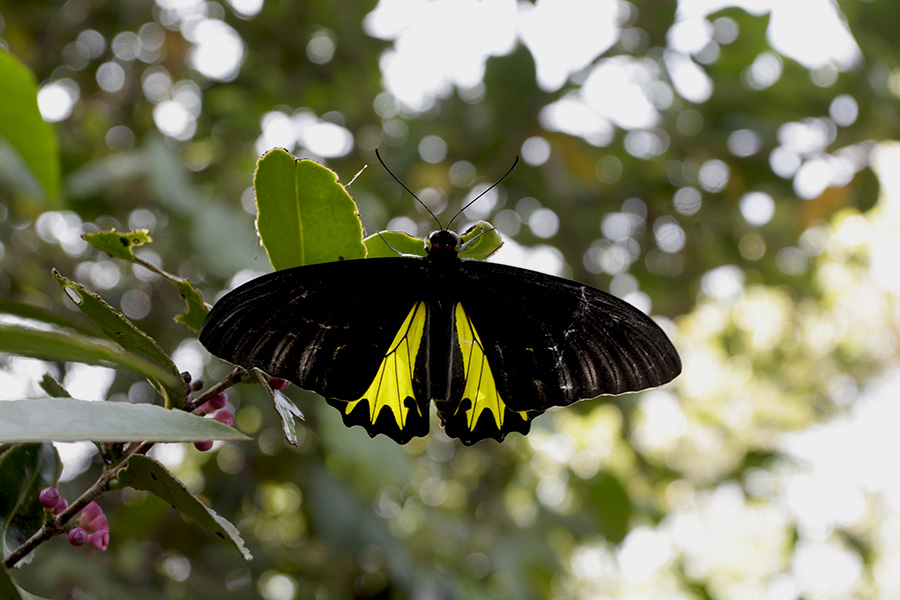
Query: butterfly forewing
{"type": "Point", "coordinates": [552, 342]}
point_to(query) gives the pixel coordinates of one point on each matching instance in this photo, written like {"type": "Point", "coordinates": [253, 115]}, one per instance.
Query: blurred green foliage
{"type": "Point", "coordinates": [775, 322]}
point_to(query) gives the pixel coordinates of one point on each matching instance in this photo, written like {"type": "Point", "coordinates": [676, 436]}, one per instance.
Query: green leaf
{"type": "Point", "coordinates": [389, 243]}
{"type": "Point", "coordinates": [27, 595]}
{"type": "Point", "coordinates": [196, 311]}
{"type": "Point", "coordinates": [118, 245]}
{"type": "Point", "coordinates": [480, 241]}
{"type": "Point", "coordinates": [143, 473]}
{"type": "Point", "coordinates": [135, 341]}
{"type": "Point", "coordinates": [53, 387]}
{"type": "Point", "coordinates": [304, 214]}
{"type": "Point", "coordinates": [121, 245]}
{"type": "Point", "coordinates": [59, 345]}
{"type": "Point", "coordinates": [24, 471]}
{"type": "Point", "coordinates": [286, 409]}
{"type": "Point", "coordinates": [7, 588]}
{"type": "Point", "coordinates": [71, 420]}
{"type": "Point", "coordinates": [23, 127]}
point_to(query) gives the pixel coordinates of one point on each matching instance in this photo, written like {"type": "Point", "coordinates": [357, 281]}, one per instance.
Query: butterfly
{"type": "Point", "coordinates": [492, 346]}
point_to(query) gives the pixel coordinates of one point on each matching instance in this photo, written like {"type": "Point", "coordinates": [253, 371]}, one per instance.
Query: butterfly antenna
{"type": "Point", "coordinates": [397, 179]}
{"type": "Point", "coordinates": [495, 184]}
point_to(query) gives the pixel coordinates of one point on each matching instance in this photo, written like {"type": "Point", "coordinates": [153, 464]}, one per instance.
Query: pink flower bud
{"type": "Point", "coordinates": [99, 540]}
{"type": "Point", "coordinates": [60, 506]}
{"type": "Point", "coordinates": [224, 416]}
{"type": "Point", "coordinates": [49, 497]}
{"type": "Point", "coordinates": [203, 446]}
{"type": "Point", "coordinates": [213, 404]}
{"type": "Point", "coordinates": [278, 384]}
{"type": "Point", "coordinates": [78, 536]}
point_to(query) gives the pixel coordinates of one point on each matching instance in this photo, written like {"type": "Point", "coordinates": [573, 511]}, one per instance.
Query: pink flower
{"type": "Point", "coordinates": [92, 519]}
{"type": "Point", "coordinates": [99, 540]}
{"type": "Point", "coordinates": [78, 536]}
{"type": "Point", "coordinates": [90, 512]}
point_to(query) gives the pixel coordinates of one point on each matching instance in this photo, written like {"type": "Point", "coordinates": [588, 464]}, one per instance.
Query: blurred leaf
{"type": "Point", "coordinates": [8, 589]}
{"type": "Point", "coordinates": [24, 471]}
{"type": "Point", "coordinates": [118, 245]}
{"type": "Point", "coordinates": [67, 346]}
{"type": "Point", "coordinates": [389, 243]}
{"type": "Point", "coordinates": [36, 313]}
{"type": "Point", "coordinates": [286, 409]}
{"type": "Point", "coordinates": [368, 463]}
{"type": "Point", "coordinates": [613, 507]}
{"type": "Point", "coordinates": [22, 124]}
{"type": "Point", "coordinates": [71, 420]}
{"type": "Point", "coordinates": [347, 521]}
{"type": "Point", "coordinates": [53, 387]}
{"type": "Point", "coordinates": [480, 241]}
{"type": "Point", "coordinates": [123, 331]}
{"type": "Point", "coordinates": [143, 473]}
{"type": "Point", "coordinates": [305, 215]}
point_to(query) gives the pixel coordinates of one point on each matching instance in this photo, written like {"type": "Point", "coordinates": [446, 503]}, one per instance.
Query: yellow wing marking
{"type": "Point", "coordinates": [393, 382]}
{"type": "Point", "coordinates": [480, 388]}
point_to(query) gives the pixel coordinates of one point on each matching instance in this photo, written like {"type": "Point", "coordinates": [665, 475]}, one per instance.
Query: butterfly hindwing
{"type": "Point", "coordinates": [389, 404]}
{"type": "Point", "coordinates": [475, 409]}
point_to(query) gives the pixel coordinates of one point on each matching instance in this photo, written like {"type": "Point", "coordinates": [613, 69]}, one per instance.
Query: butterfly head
{"type": "Point", "coordinates": [442, 242]}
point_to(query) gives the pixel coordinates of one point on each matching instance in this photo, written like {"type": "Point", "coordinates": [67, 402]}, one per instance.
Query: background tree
{"type": "Point", "coordinates": [729, 171]}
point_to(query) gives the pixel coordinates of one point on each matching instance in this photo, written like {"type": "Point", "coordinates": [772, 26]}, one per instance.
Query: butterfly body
{"type": "Point", "coordinates": [492, 346]}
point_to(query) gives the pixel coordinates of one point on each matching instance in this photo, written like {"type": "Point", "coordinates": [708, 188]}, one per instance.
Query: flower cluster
{"type": "Point", "coordinates": [91, 525]}
{"type": "Point", "coordinates": [215, 406]}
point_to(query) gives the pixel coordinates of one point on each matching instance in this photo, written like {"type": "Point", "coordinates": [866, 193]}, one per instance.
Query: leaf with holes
{"type": "Point", "coordinates": [118, 245]}
{"type": "Point", "coordinates": [167, 378]}
{"type": "Point", "coordinates": [121, 245]}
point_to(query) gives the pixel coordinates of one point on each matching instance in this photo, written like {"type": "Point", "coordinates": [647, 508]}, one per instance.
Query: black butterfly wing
{"type": "Point", "coordinates": [349, 331]}
{"type": "Point", "coordinates": [547, 341]}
